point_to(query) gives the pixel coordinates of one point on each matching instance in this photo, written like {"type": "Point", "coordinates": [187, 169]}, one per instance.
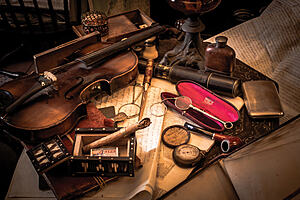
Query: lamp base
{"type": "Point", "coordinates": [190, 52]}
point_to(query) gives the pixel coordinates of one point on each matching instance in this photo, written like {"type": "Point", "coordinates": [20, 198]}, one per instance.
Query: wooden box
{"type": "Point", "coordinates": [122, 164]}
{"type": "Point", "coordinates": [122, 25]}
{"type": "Point", "coordinates": [56, 56]}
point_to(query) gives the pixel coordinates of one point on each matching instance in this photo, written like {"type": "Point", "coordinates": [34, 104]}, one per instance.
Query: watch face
{"type": "Point", "coordinates": [176, 135]}
{"type": "Point", "coordinates": [187, 155]}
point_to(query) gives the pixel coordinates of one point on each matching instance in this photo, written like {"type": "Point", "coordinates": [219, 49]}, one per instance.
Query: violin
{"type": "Point", "coordinates": [39, 106]}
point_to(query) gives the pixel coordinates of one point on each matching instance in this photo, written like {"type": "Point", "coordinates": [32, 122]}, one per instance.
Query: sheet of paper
{"type": "Point", "coordinates": [169, 174]}
{"type": "Point", "coordinates": [237, 102]}
{"type": "Point", "coordinates": [159, 172]}
{"type": "Point", "coordinates": [141, 186]}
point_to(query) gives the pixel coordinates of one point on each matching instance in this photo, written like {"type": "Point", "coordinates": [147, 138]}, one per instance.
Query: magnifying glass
{"type": "Point", "coordinates": [184, 103]}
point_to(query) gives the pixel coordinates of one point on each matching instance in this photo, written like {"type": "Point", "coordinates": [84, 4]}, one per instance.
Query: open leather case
{"type": "Point", "coordinates": [205, 100]}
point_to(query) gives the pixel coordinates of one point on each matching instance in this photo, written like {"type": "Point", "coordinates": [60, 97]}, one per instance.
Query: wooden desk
{"type": "Point", "coordinates": [25, 180]}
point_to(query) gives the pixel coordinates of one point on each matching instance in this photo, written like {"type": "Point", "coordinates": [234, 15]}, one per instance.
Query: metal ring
{"type": "Point", "coordinates": [133, 104]}
{"type": "Point", "coordinates": [228, 125]}
{"type": "Point", "coordinates": [225, 146]}
{"type": "Point", "coordinates": [164, 109]}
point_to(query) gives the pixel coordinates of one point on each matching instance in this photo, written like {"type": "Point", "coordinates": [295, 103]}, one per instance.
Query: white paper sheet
{"type": "Point", "coordinates": [141, 186]}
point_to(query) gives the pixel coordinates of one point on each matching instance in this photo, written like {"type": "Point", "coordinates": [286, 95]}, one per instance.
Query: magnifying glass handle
{"type": "Point", "coordinates": [227, 125]}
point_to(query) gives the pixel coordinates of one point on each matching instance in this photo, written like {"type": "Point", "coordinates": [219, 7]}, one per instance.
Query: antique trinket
{"type": "Point", "coordinates": [95, 21]}
{"type": "Point", "coordinates": [47, 155]}
{"type": "Point", "coordinates": [106, 154]}
{"type": "Point", "coordinates": [218, 83]}
{"type": "Point", "coordinates": [227, 142]}
{"type": "Point", "coordinates": [187, 155]}
{"type": "Point", "coordinates": [219, 57]}
{"type": "Point", "coordinates": [262, 99]}
{"type": "Point", "coordinates": [176, 135]}
{"type": "Point", "coordinates": [115, 159]}
{"type": "Point", "coordinates": [202, 106]}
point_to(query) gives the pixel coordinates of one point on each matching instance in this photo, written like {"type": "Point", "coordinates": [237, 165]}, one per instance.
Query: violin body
{"type": "Point", "coordinates": [58, 112]}
{"type": "Point", "coordinates": [33, 115]}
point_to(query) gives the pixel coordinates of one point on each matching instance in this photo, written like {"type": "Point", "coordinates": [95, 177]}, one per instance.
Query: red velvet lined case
{"type": "Point", "coordinates": [205, 100]}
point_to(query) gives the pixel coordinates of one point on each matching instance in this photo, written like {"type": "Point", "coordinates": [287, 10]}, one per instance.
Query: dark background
{"type": "Point", "coordinates": [228, 14]}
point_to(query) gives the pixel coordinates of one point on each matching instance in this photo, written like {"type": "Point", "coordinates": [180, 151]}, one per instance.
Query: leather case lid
{"type": "Point", "coordinates": [205, 100]}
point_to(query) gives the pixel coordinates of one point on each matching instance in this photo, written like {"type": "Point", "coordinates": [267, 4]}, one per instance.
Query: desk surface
{"type": "Point", "coordinates": [25, 180]}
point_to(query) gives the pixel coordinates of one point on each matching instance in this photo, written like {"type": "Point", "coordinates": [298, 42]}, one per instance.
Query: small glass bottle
{"type": "Point", "coordinates": [219, 57]}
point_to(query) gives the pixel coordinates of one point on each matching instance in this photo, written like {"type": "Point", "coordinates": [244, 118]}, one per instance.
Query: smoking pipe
{"type": "Point", "coordinates": [227, 142]}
